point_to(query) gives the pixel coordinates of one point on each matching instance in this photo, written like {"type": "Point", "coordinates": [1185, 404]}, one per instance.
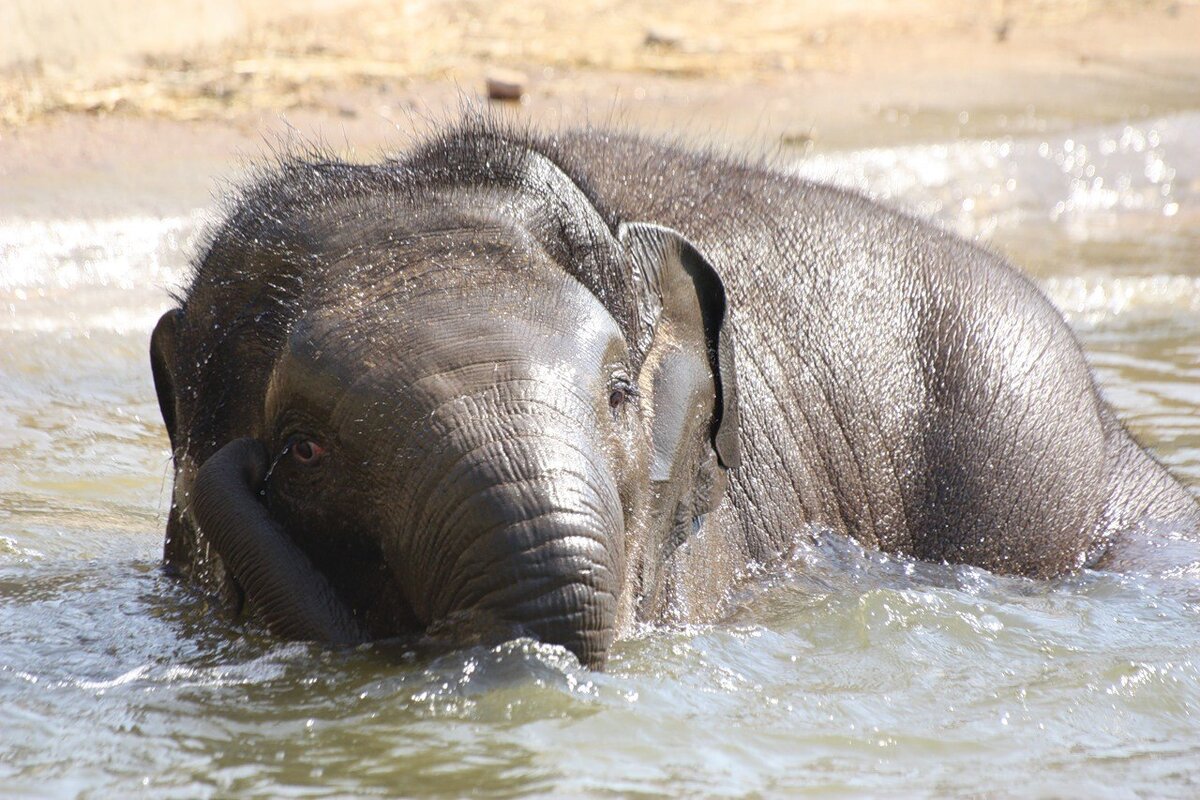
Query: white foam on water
{"type": "Point", "coordinates": [1150, 167]}
{"type": "Point", "coordinates": [126, 252]}
{"type": "Point", "coordinates": [1091, 296]}
{"type": "Point", "coordinates": [85, 276]}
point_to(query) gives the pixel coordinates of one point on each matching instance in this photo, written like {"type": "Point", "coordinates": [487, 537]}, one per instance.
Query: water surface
{"type": "Point", "coordinates": [847, 673]}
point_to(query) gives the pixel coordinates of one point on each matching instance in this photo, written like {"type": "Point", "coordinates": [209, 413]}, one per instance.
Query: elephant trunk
{"type": "Point", "coordinates": [296, 601]}
{"type": "Point", "coordinates": [560, 588]}
{"type": "Point", "coordinates": [538, 534]}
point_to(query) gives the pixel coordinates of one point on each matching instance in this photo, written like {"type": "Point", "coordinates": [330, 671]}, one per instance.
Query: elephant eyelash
{"type": "Point", "coordinates": [266, 481]}
{"type": "Point", "coordinates": [307, 468]}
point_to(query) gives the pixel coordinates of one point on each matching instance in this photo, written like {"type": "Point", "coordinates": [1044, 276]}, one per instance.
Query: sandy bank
{"type": "Point", "coordinates": [150, 130]}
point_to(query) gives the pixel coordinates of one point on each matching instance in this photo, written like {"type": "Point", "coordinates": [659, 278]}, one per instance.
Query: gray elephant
{"type": "Point", "coordinates": [513, 384]}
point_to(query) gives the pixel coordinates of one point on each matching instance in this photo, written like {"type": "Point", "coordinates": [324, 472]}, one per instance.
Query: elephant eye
{"type": "Point", "coordinates": [620, 393]}
{"type": "Point", "coordinates": [306, 451]}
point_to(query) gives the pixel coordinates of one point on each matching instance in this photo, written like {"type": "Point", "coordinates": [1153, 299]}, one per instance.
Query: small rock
{"type": "Point", "coordinates": [1003, 29]}
{"type": "Point", "coordinates": [505, 84]}
{"type": "Point", "coordinates": [663, 36]}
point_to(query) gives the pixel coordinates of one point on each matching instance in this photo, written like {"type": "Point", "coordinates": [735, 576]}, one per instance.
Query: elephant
{"type": "Point", "coordinates": [513, 383]}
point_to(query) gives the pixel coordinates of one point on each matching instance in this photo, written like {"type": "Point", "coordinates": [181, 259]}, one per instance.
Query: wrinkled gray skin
{"type": "Point", "coordinates": [551, 386]}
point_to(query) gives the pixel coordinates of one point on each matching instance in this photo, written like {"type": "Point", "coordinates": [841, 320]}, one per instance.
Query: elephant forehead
{"type": "Point", "coordinates": [464, 333]}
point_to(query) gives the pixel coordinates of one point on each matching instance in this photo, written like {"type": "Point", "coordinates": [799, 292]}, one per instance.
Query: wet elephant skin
{"type": "Point", "coordinates": [509, 384]}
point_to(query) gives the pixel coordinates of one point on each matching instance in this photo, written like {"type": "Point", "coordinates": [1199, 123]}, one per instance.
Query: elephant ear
{"type": "Point", "coordinates": [686, 342]}
{"type": "Point", "coordinates": [162, 365]}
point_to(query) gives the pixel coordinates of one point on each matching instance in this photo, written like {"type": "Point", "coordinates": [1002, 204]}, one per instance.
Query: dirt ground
{"type": "Point", "coordinates": [152, 133]}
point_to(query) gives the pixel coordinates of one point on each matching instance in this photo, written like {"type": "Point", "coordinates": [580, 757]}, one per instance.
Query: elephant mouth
{"type": "Point", "coordinates": [366, 584]}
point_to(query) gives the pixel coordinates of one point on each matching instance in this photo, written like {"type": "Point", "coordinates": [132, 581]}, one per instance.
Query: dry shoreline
{"type": "Point", "coordinates": [796, 76]}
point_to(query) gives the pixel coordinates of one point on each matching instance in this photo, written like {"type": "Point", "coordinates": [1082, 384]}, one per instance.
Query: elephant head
{"type": "Point", "coordinates": [443, 396]}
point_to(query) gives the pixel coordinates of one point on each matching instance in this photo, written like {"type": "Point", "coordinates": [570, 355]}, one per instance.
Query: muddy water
{"type": "Point", "coordinates": [847, 673]}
